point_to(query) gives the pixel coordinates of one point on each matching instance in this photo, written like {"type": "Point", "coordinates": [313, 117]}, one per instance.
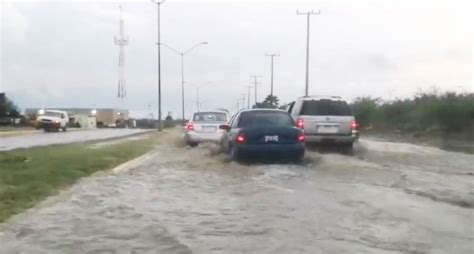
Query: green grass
{"type": "Point", "coordinates": [30, 175]}
{"type": "Point", "coordinates": [430, 111]}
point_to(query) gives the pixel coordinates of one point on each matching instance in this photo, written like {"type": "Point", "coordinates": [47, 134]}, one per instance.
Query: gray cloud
{"type": "Point", "coordinates": [62, 54]}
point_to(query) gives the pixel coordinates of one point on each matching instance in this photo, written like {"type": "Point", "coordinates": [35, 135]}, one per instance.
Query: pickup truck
{"type": "Point", "coordinates": [52, 120]}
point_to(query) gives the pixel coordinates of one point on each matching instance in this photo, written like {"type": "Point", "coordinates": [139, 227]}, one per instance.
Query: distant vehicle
{"type": "Point", "coordinates": [263, 132]}
{"type": "Point", "coordinates": [204, 127]}
{"type": "Point", "coordinates": [52, 120]}
{"type": "Point", "coordinates": [325, 119]}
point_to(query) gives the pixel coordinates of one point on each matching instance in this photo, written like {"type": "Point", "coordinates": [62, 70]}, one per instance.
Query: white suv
{"type": "Point", "coordinates": [325, 119]}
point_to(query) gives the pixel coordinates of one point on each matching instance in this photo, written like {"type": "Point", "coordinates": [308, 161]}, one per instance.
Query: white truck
{"type": "Point", "coordinates": [52, 120]}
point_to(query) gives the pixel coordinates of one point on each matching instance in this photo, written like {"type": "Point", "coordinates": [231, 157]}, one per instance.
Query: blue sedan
{"type": "Point", "coordinates": [263, 132]}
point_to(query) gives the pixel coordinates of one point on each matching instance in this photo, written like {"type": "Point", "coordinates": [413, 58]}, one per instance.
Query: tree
{"type": "Point", "coordinates": [7, 107]}
{"type": "Point", "coordinates": [269, 102]}
{"type": "Point", "coordinates": [366, 110]}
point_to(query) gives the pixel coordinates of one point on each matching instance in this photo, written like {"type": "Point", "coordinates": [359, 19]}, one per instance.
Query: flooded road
{"type": "Point", "coordinates": [52, 138]}
{"type": "Point", "coordinates": [386, 198]}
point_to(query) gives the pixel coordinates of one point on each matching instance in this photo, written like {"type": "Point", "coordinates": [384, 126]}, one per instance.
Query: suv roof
{"type": "Point", "coordinates": [262, 109]}
{"type": "Point", "coordinates": [54, 111]}
{"type": "Point", "coordinates": [210, 111]}
{"type": "Point", "coordinates": [320, 97]}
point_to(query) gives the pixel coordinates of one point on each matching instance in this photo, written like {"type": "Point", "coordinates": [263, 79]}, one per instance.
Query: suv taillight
{"type": "Point", "coordinates": [189, 126]}
{"type": "Point", "coordinates": [300, 123]}
{"type": "Point", "coordinates": [354, 125]}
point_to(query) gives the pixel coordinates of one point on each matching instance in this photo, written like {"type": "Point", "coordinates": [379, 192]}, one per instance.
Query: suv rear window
{"type": "Point", "coordinates": [209, 117]}
{"type": "Point", "coordinates": [265, 118]}
{"type": "Point", "coordinates": [325, 108]}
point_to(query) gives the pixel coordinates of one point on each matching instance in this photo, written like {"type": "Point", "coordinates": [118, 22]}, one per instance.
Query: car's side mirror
{"type": "Point", "coordinates": [224, 127]}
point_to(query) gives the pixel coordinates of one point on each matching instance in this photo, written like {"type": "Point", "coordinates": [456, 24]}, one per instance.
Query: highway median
{"type": "Point", "coordinates": [29, 175]}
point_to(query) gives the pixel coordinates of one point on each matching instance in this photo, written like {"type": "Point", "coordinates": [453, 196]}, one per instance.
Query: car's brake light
{"type": "Point", "coordinates": [189, 126]}
{"type": "Point", "coordinates": [300, 123]}
{"type": "Point", "coordinates": [301, 137]}
{"type": "Point", "coordinates": [240, 138]}
{"type": "Point", "coordinates": [354, 125]}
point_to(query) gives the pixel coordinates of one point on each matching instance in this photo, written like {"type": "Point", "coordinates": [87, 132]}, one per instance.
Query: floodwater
{"type": "Point", "coordinates": [386, 198]}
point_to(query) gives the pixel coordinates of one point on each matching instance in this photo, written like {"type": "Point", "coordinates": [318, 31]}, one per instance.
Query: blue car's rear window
{"type": "Point", "coordinates": [265, 118]}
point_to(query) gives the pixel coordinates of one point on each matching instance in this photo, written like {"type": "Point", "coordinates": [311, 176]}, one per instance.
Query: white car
{"type": "Point", "coordinates": [52, 120]}
{"type": "Point", "coordinates": [204, 127]}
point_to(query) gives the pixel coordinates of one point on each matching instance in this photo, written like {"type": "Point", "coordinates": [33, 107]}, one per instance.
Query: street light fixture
{"type": "Point", "coordinates": [182, 54]}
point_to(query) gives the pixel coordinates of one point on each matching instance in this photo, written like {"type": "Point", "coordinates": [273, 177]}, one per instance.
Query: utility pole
{"type": "Point", "coordinates": [271, 79]}
{"type": "Point", "coordinates": [197, 99]}
{"type": "Point", "coordinates": [158, 4]}
{"type": "Point", "coordinates": [308, 15]}
{"type": "Point", "coordinates": [255, 83]}
{"type": "Point", "coordinates": [248, 97]}
{"type": "Point", "coordinates": [243, 100]}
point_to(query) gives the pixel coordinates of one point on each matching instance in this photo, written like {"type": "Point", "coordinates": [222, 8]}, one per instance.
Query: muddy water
{"type": "Point", "coordinates": [387, 198]}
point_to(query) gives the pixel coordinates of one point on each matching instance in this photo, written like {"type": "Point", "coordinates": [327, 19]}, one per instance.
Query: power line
{"type": "Point", "coordinates": [308, 15]}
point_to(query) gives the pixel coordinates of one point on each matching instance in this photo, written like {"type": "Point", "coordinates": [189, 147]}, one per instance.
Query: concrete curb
{"type": "Point", "coordinates": [125, 167]}
{"type": "Point", "coordinates": [17, 133]}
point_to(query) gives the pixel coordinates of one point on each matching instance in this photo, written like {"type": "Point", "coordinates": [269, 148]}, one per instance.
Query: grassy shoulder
{"type": "Point", "coordinates": [30, 175]}
{"type": "Point", "coordinates": [458, 142]}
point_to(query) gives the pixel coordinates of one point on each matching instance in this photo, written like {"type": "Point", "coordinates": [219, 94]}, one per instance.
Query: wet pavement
{"type": "Point", "coordinates": [386, 198]}
{"type": "Point", "coordinates": [52, 138]}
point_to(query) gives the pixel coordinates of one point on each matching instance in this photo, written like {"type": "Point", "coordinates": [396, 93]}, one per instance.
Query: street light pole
{"type": "Point", "coordinates": [271, 78]}
{"type": "Point", "coordinates": [308, 15]}
{"type": "Point", "coordinates": [182, 86]}
{"type": "Point", "coordinates": [158, 4]}
{"type": "Point", "coordinates": [182, 54]}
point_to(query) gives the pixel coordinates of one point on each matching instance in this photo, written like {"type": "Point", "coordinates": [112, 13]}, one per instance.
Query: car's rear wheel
{"type": "Point", "coordinates": [192, 144]}
{"type": "Point", "coordinates": [234, 153]}
{"type": "Point", "coordinates": [64, 129]}
{"type": "Point", "coordinates": [298, 158]}
{"type": "Point", "coordinates": [348, 148]}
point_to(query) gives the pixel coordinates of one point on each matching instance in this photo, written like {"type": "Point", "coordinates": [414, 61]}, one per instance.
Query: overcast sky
{"type": "Point", "coordinates": [62, 53]}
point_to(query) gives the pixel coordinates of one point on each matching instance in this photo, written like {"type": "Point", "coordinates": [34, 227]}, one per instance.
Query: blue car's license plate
{"type": "Point", "coordinates": [271, 138]}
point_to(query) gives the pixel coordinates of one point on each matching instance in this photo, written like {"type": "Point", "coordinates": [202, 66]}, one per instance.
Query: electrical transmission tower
{"type": "Point", "coordinates": [121, 41]}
